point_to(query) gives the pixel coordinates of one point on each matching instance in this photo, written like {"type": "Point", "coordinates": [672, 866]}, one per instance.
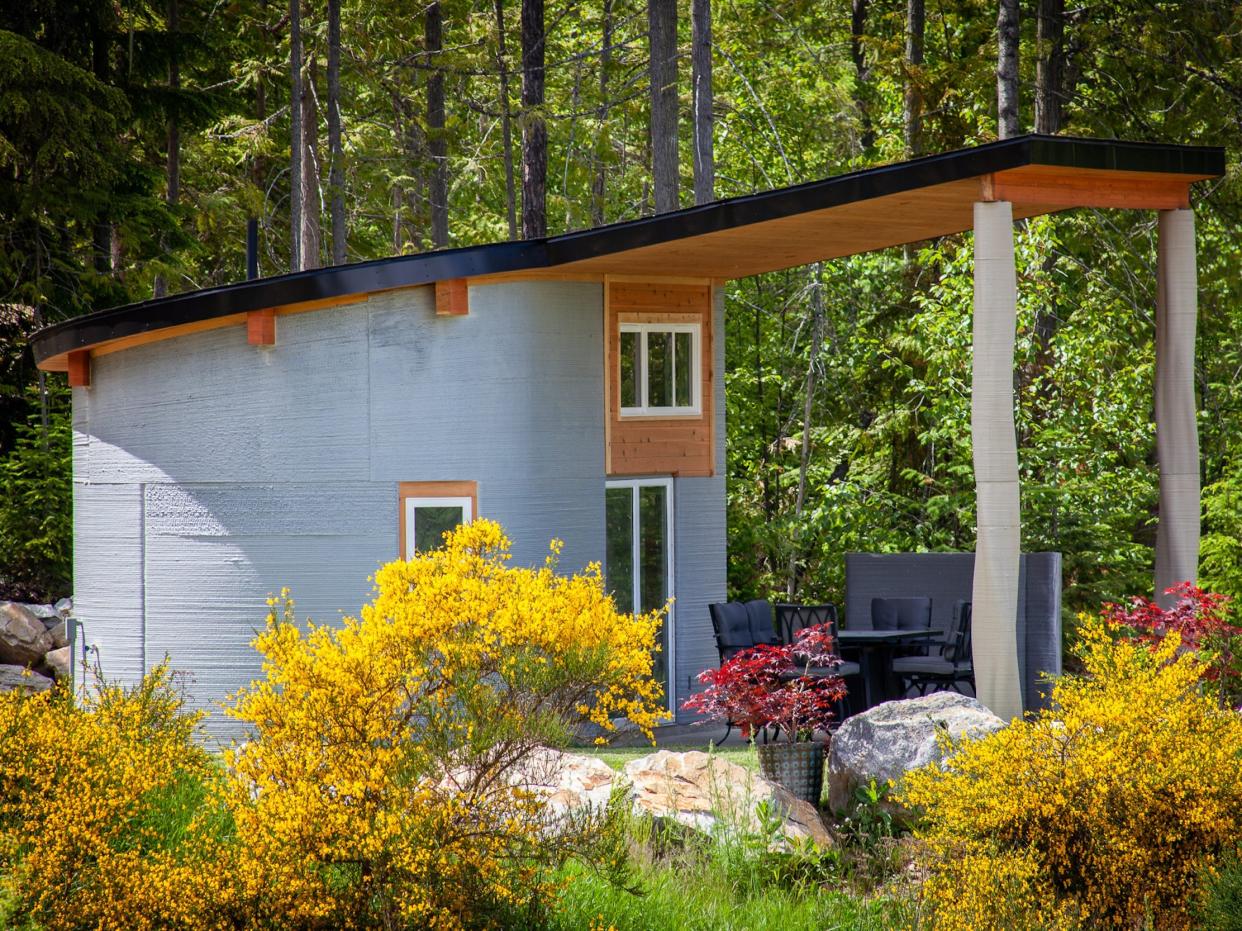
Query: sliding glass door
{"type": "Point", "coordinates": [639, 572]}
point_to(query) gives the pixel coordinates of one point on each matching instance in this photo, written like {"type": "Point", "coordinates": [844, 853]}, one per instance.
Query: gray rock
{"type": "Point", "coordinates": [59, 631]}
{"type": "Point", "coordinates": [64, 607]}
{"type": "Point", "coordinates": [18, 677]}
{"type": "Point", "coordinates": [23, 638]}
{"type": "Point", "coordinates": [60, 662]}
{"type": "Point", "coordinates": [887, 741]}
{"type": "Point", "coordinates": [43, 612]}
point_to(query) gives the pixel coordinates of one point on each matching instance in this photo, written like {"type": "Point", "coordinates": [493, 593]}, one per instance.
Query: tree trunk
{"type": "Point", "coordinates": [704, 119]}
{"type": "Point", "coordinates": [311, 202]}
{"type": "Point", "coordinates": [101, 233]}
{"type": "Point", "coordinates": [295, 135]}
{"type": "Point", "coordinates": [1007, 124]}
{"type": "Point", "coordinates": [336, 171]}
{"type": "Point", "coordinates": [437, 145]}
{"type": "Point", "coordinates": [506, 119]}
{"type": "Point", "coordinates": [662, 36]}
{"type": "Point", "coordinates": [599, 173]}
{"type": "Point", "coordinates": [534, 129]}
{"type": "Point", "coordinates": [1050, 66]}
{"type": "Point", "coordinates": [862, 74]}
{"type": "Point", "coordinates": [808, 407]}
{"type": "Point", "coordinates": [913, 113]}
{"type": "Point", "coordinates": [173, 155]}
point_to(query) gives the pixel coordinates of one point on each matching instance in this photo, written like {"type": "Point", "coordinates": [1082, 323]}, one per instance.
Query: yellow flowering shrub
{"type": "Point", "coordinates": [102, 814]}
{"type": "Point", "coordinates": [379, 786]}
{"type": "Point", "coordinates": [1102, 811]}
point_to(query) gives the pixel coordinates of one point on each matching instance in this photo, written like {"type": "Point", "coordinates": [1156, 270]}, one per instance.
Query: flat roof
{"type": "Point", "coordinates": [861, 211]}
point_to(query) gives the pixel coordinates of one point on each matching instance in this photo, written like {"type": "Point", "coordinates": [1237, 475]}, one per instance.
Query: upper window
{"type": "Point", "coordinates": [660, 371]}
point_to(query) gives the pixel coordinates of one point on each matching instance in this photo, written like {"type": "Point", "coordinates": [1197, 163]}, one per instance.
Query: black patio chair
{"type": "Point", "coordinates": [792, 618]}
{"type": "Point", "coordinates": [740, 625]}
{"type": "Point", "coordinates": [949, 668]}
{"type": "Point", "coordinates": [902, 614]}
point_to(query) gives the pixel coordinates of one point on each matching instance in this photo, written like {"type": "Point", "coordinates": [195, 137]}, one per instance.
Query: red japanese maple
{"type": "Point", "coordinates": [771, 686]}
{"type": "Point", "coordinates": [1201, 620]}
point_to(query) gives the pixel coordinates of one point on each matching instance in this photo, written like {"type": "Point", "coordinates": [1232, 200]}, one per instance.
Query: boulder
{"type": "Point", "coordinates": [709, 793]}
{"type": "Point", "coordinates": [59, 631]}
{"type": "Point", "coordinates": [19, 677]}
{"type": "Point", "coordinates": [60, 662]}
{"type": "Point", "coordinates": [64, 607]}
{"type": "Point", "coordinates": [885, 742]}
{"type": "Point", "coordinates": [23, 638]}
{"type": "Point", "coordinates": [566, 781]}
{"type": "Point", "coordinates": [43, 612]}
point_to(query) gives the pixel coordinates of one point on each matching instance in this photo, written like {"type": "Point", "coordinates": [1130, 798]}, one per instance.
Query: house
{"type": "Point", "coordinates": [301, 430]}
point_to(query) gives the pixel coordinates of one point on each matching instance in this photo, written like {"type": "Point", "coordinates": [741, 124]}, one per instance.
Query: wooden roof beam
{"type": "Point", "coordinates": [1051, 189]}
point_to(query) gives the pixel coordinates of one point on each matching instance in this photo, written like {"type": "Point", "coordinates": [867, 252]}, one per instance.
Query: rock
{"type": "Point", "coordinates": [887, 741]}
{"type": "Point", "coordinates": [59, 631]}
{"type": "Point", "coordinates": [18, 677]}
{"type": "Point", "coordinates": [709, 793]}
{"type": "Point", "coordinates": [64, 607]}
{"type": "Point", "coordinates": [60, 662]}
{"type": "Point", "coordinates": [567, 781]}
{"type": "Point", "coordinates": [23, 638]}
{"type": "Point", "coordinates": [43, 612]}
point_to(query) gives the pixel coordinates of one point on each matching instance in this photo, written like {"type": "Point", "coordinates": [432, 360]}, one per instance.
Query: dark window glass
{"type": "Point", "coordinates": [619, 521]}
{"type": "Point", "coordinates": [660, 369]}
{"type": "Point", "coordinates": [683, 363]}
{"type": "Point", "coordinates": [430, 523]}
{"type": "Point", "coordinates": [653, 553]}
{"type": "Point", "coordinates": [629, 369]}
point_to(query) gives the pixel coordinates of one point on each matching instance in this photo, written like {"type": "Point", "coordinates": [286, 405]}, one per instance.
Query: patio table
{"type": "Point", "coordinates": [876, 658]}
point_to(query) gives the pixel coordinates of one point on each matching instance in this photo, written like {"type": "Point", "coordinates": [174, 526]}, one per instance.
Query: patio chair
{"type": "Point", "coordinates": [949, 668]}
{"type": "Point", "coordinates": [792, 618]}
{"type": "Point", "coordinates": [740, 625]}
{"type": "Point", "coordinates": [902, 614]}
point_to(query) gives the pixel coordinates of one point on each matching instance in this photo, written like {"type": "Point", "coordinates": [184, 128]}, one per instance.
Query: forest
{"type": "Point", "coordinates": [142, 141]}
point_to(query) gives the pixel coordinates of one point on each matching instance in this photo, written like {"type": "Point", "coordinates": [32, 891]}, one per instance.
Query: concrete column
{"type": "Point", "coordinates": [1177, 434]}
{"type": "Point", "coordinates": [995, 595]}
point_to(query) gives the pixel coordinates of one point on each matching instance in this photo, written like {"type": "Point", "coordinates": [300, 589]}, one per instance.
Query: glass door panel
{"type": "Point", "coordinates": [640, 556]}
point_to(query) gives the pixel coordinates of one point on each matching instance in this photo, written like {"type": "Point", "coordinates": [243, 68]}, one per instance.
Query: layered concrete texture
{"type": "Point", "coordinates": [210, 473]}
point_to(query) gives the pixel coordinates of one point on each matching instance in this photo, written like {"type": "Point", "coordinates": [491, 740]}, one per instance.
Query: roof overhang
{"type": "Point", "coordinates": [845, 215]}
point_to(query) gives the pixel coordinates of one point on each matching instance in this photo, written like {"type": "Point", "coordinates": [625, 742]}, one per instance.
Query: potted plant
{"type": "Point", "coordinates": [773, 688]}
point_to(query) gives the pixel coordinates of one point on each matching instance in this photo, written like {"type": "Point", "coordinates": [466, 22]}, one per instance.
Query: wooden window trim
{"type": "Point", "coordinates": [406, 490]}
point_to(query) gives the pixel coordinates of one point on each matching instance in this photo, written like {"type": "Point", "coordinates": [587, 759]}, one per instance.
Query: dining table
{"type": "Point", "coordinates": [876, 649]}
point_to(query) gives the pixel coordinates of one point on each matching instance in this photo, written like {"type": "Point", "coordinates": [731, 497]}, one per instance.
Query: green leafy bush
{"type": "Point", "coordinates": [36, 507]}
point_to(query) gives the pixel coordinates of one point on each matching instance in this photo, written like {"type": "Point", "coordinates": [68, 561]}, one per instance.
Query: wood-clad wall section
{"type": "Point", "coordinates": [669, 445]}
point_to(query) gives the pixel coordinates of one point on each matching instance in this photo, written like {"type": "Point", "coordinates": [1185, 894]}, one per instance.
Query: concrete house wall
{"type": "Point", "coordinates": [209, 473]}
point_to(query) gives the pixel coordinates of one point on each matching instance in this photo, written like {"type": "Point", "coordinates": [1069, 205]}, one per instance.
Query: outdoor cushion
{"type": "Point", "coordinates": [733, 627]}
{"type": "Point", "coordinates": [845, 669]}
{"type": "Point", "coordinates": [929, 665]}
{"type": "Point", "coordinates": [761, 627]}
{"type": "Point", "coordinates": [901, 613]}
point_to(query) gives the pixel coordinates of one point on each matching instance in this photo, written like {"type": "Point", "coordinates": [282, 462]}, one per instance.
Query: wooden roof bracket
{"type": "Point", "coordinates": [79, 368]}
{"type": "Point", "coordinates": [452, 298]}
{"type": "Point", "coordinates": [261, 327]}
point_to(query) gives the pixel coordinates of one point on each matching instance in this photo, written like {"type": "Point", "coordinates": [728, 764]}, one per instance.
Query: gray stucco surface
{"type": "Point", "coordinates": [210, 473]}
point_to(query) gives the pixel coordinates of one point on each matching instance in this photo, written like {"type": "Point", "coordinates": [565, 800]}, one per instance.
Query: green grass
{"type": "Point", "coordinates": [617, 757]}
{"type": "Point", "coordinates": [674, 898]}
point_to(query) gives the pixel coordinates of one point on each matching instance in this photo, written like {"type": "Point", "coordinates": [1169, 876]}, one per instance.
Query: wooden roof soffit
{"type": "Point", "coordinates": [1045, 189]}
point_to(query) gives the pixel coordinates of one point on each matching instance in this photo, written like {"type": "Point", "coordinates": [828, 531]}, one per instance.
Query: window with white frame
{"type": "Point", "coordinates": [429, 509]}
{"type": "Point", "coordinates": [660, 368]}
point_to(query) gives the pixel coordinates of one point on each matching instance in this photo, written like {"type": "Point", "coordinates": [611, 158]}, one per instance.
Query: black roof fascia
{"type": "Point", "coordinates": [470, 261]}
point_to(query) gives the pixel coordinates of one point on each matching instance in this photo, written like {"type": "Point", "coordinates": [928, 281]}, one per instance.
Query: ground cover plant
{"type": "Point", "coordinates": [1106, 810]}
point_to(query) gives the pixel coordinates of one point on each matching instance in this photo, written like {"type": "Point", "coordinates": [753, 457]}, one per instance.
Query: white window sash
{"type": "Point", "coordinates": [644, 408]}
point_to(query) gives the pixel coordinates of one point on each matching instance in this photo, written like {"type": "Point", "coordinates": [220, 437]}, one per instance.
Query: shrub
{"type": "Point", "coordinates": [1103, 810]}
{"type": "Point", "coordinates": [102, 807]}
{"type": "Point", "coordinates": [382, 786]}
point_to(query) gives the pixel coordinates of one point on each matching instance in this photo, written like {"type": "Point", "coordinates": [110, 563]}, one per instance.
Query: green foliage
{"type": "Point", "coordinates": [36, 507]}
{"type": "Point", "coordinates": [1221, 909]}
